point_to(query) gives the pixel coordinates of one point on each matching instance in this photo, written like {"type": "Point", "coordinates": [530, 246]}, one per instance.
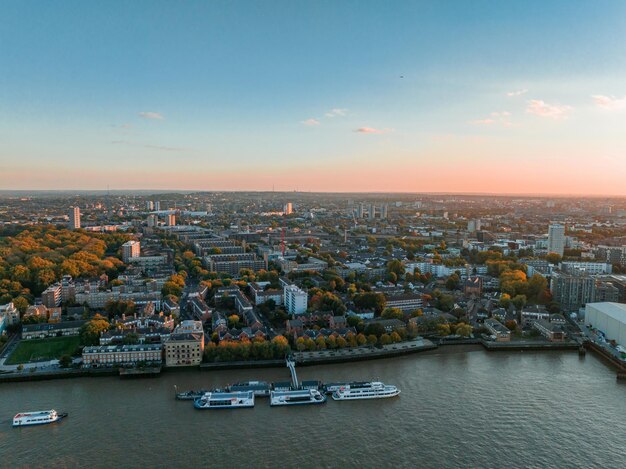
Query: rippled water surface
{"type": "Point", "coordinates": [458, 408]}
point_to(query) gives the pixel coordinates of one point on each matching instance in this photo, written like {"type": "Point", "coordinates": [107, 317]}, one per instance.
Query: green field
{"type": "Point", "coordinates": [43, 349]}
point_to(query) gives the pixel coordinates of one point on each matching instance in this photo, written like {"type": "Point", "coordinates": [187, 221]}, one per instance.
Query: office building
{"type": "Point", "coordinates": [171, 219]}
{"type": "Point", "coordinates": [288, 209]}
{"type": "Point", "coordinates": [556, 238]}
{"type": "Point", "coordinates": [74, 223]}
{"type": "Point", "coordinates": [149, 205]}
{"type": "Point", "coordinates": [157, 205]}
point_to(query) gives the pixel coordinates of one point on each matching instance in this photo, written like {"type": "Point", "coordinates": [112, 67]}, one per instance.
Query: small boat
{"type": "Point", "coordinates": [225, 400]}
{"type": "Point", "coordinates": [373, 390]}
{"type": "Point", "coordinates": [259, 388]}
{"type": "Point", "coordinates": [297, 397]}
{"type": "Point", "coordinates": [41, 417]}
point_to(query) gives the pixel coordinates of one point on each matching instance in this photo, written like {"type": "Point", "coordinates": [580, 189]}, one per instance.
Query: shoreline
{"type": "Point", "coordinates": [320, 358]}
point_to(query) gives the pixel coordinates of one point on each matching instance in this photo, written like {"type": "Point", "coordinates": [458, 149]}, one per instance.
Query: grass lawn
{"type": "Point", "coordinates": [37, 350]}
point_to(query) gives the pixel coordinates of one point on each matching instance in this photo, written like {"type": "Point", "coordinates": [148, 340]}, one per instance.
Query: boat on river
{"type": "Point", "coordinates": [41, 417]}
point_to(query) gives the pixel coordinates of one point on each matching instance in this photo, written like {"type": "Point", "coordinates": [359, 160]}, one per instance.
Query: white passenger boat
{"type": "Point", "coordinates": [225, 400]}
{"type": "Point", "coordinates": [297, 397]}
{"type": "Point", "coordinates": [37, 418]}
{"type": "Point", "coordinates": [373, 390]}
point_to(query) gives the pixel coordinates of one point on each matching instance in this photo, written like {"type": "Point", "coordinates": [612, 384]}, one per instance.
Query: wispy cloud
{"type": "Point", "coordinates": [336, 112]}
{"type": "Point", "coordinates": [371, 130]}
{"type": "Point", "coordinates": [609, 102]}
{"type": "Point", "coordinates": [501, 117]}
{"type": "Point", "coordinates": [517, 92]}
{"type": "Point", "coordinates": [542, 109]}
{"type": "Point", "coordinates": [310, 122]}
{"type": "Point", "coordinates": [150, 146]}
{"type": "Point", "coordinates": [151, 115]}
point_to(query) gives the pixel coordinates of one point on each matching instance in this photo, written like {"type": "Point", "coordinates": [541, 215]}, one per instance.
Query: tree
{"type": "Point", "coordinates": [233, 321]}
{"type": "Point", "coordinates": [443, 330]}
{"type": "Point", "coordinates": [331, 342]}
{"type": "Point", "coordinates": [395, 337]}
{"type": "Point", "coordinates": [452, 282]}
{"type": "Point", "coordinates": [91, 330]}
{"type": "Point", "coordinates": [519, 301]}
{"type": "Point", "coordinates": [393, 313]}
{"type": "Point", "coordinates": [300, 344]}
{"type": "Point", "coordinates": [21, 304]}
{"type": "Point", "coordinates": [395, 266]}
{"type": "Point", "coordinates": [372, 339]}
{"type": "Point", "coordinates": [464, 330]}
{"type": "Point", "coordinates": [321, 343]}
{"type": "Point", "coordinates": [65, 361]}
{"type": "Point", "coordinates": [385, 339]}
{"type": "Point", "coordinates": [511, 325]}
{"type": "Point", "coordinates": [341, 342]}
{"type": "Point", "coordinates": [374, 328]}
{"type": "Point", "coordinates": [370, 301]}
{"type": "Point", "coordinates": [553, 258]}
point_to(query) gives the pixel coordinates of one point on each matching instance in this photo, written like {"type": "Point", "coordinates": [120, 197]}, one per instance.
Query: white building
{"type": "Point", "coordinates": [296, 300]}
{"type": "Point", "coordinates": [130, 249]}
{"type": "Point", "coordinates": [593, 268]}
{"type": "Point", "coordinates": [74, 218]}
{"type": "Point", "coordinates": [610, 318]}
{"type": "Point", "coordinates": [556, 238]}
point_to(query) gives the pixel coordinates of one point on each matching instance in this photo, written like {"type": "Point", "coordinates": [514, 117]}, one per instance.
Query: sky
{"type": "Point", "coordinates": [480, 96]}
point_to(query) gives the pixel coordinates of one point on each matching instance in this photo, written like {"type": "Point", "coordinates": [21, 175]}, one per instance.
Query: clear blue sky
{"type": "Point", "coordinates": [319, 95]}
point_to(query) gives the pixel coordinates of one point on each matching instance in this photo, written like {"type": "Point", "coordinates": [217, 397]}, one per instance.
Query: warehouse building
{"type": "Point", "coordinates": [610, 318]}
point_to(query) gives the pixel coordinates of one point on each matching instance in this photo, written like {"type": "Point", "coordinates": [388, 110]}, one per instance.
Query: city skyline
{"type": "Point", "coordinates": [522, 98]}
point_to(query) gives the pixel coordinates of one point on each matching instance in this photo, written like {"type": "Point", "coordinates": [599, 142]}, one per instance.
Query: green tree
{"type": "Point", "coordinates": [65, 361]}
{"type": "Point", "coordinates": [464, 330]}
{"type": "Point", "coordinates": [91, 330]}
{"type": "Point", "coordinates": [385, 339]}
{"type": "Point", "coordinates": [393, 313]}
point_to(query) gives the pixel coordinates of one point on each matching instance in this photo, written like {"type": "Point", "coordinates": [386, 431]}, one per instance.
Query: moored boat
{"type": "Point", "coordinates": [297, 397]}
{"type": "Point", "coordinates": [225, 400]}
{"type": "Point", "coordinates": [259, 388]}
{"type": "Point", "coordinates": [191, 395]}
{"type": "Point", "coordinates": [373, 390]}
{"type": "Point", "coordinates": [41, 417]}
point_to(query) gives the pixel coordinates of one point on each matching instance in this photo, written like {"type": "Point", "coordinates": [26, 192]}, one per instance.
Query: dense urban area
{"type": "Point", "coordinates": [139, 283]}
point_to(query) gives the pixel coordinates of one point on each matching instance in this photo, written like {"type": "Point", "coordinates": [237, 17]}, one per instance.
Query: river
{"type": "Point", "coordinates": [459, 407]}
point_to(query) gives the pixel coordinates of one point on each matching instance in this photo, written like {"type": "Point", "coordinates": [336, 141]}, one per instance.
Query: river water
{"type": "Point", "coordinates": [459, 407]}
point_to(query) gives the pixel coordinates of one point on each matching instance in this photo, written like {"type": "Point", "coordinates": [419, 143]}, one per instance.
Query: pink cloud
{"type": "Point", "coordinates": [371, 130]}
{"type": "Point", "coordinates": [310, 122]}
{"type": "Point", "coordinates": [609, 102]}
{"type": "Point", "coordinates": [501, 117]}
{"type": "Point", "coordinates": [542, 109]}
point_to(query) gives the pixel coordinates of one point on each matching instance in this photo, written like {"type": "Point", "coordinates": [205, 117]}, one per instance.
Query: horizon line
{"type": "Point", "coordinates": [430, 193]}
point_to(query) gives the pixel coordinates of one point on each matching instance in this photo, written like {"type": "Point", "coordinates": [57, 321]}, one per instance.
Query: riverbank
{"type": "Point", "coordinates": [321, 357]}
